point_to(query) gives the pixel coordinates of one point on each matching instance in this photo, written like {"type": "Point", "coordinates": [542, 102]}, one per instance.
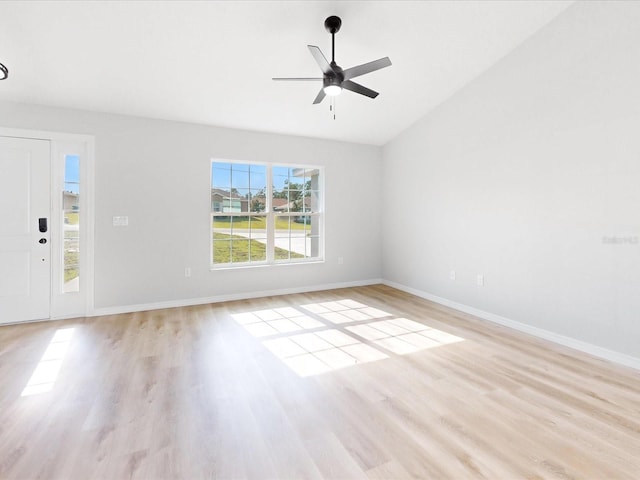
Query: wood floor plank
{"type": "Point", "coordinates": [365, 382]}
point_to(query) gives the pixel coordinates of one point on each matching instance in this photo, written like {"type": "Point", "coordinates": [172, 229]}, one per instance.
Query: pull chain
{"type": "Point", "coordinates": [332, 106]}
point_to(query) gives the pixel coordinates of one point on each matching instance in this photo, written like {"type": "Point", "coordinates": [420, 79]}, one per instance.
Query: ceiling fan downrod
{"type": "Point", "coordinates": [333, 48]}
{"type": "Point", "coordinates": [332, 24]}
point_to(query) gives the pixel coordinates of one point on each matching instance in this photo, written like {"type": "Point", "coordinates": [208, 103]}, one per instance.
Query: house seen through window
{"type": "Point", "coordinates": [265, 214]}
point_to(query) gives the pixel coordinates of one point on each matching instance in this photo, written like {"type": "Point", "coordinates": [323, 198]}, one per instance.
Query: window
{"type": "Point", "coordinates": [71, 223]}
{"type": "Point", "coordinates": [265, 214]}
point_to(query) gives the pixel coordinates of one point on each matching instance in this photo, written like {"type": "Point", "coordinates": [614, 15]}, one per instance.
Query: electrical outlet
{"type": "Point", "coordinates": [480, 280]}
{"type": "Point", "coordinates": [187, 272]}
{"type": "Point", "coordinates": [452, 274]}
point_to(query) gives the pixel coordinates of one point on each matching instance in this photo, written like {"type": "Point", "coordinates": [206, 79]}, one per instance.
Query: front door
{"type": "Point", "coordinates": [25, 267]}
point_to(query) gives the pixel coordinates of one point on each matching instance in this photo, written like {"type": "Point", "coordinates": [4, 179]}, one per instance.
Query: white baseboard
{"type": "Point", "coordinates": [226, 298]}
{"type": "Point", "coordinates": [589, 348]}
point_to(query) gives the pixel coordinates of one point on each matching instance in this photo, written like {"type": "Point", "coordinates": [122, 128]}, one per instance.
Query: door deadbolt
{"type": "Point", "coordinates": [42, 241]}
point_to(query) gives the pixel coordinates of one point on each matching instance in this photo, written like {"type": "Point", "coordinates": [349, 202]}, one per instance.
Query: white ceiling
{"type": "Point", "coordinates": [212, 62]}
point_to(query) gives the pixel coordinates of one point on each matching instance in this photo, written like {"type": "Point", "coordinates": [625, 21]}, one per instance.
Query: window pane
{"type": "Point", "coordinates": [280, 177]}
{"type": "Point", "coordinates": [242, 196]}
{"type": "Point", "coordinates": [296, 201]}
{"type": "Point", "coordinates": [281, 254]}
{"type": "Point", "coordinates": [258, 177]}
{"type": "Point", "coordinates": [258, 200]}
{"type": "Point", "coordinates": [240, 167]}
{"type": "Point", "coordinates": [239, 250]}
{"type": "Point", "coordinates": [259, 254]}
{"type": "Point", "coordinates": [313, 246]}
{"type": "Point", "coordinates": [216, 199]}
{"type": "Point", "coordinates": [289, 238]}
{"type": "Point", "coordinates": [258, 236]}
{"type": "Point", "coordinates": [71, 225]}
{"type": "Point", "coordinates": [258, 226]}
{"type": "Point", "coordinates": [222, 224]}
{"type": "Point", "coordinates": [282, 242]}
{"type": "Point", "coordinates": [313, 200]}
{"type": "Point", "coordinates": [221, 176]}
{"type": "Point", "coordinates": [280, 187]}
{"type": "Point", "coordinates": [282, 225]}
{"type": "Point", "coordinates": [226, 201]}
{"type": "Point", "coordinates": [221, 248]}
{"type": "Point", "coordinates": [239, 177]}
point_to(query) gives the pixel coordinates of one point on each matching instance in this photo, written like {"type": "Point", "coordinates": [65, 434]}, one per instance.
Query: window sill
{"type": "Point", "coordinates": [314, 261]}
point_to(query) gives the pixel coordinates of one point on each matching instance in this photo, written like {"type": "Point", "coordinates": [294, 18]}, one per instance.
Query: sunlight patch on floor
{"type": "Point", "coordinates": [323, 351]}
{"type": "Point", "coordinates": [46, 372]}
{"type": "Point", "coordinates": [344, 311]}
{"type": "Point", "coordinates": [323, 337]}
{"type": "Point", "coordinates": [401, 335]}
{"type": "Point", "coordinates": [263, 323]}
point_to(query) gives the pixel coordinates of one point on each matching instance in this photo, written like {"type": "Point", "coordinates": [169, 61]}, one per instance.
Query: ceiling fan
{"type": "Point", "coordinates": [334, 78]}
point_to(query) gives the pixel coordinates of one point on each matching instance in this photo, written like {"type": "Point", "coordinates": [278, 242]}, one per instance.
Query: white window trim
{"type": "Point", "coordinates": [270, 216]}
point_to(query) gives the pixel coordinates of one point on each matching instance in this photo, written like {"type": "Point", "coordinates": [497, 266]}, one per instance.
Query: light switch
{"type": "Point", "coordinates": [120, 221]}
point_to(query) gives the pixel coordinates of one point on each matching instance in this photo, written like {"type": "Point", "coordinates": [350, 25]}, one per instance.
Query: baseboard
{"type": "Point", "coordinates": [226, 298]}
{"type": "Point", "coordinates": [585, 347]}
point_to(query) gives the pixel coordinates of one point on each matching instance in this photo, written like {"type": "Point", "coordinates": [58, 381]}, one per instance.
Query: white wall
{"type": "Point", "coordinates": [519, 177]}
{"type": "Point", "coordinates": [158, 174]}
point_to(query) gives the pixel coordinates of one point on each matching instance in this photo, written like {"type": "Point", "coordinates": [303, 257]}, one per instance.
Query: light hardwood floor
{"type": "Point", "coordinates": [357, 383]}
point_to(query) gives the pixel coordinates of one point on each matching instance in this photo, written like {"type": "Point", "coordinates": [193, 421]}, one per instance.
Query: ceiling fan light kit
{"type": "Point", "coordinates": [4, 72]}
{"type": "Point", "coordinates": [334, 78]}
{"type": "Point", "coordinates": [332, 90]}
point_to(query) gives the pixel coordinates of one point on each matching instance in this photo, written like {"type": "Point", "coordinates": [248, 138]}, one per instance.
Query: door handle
{"type": "Point", "coordinates": [42, 241]}
{"type": "Point", "coordinates": [42, 225]}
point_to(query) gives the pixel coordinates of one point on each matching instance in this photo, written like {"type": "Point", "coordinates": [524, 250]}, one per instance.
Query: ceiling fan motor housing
{"type": "Point", "coordinates": [333, 79]}
{"type": "Point", "coordinates": [333, 24]}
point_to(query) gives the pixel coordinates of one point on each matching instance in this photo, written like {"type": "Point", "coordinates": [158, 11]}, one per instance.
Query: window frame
{"type": "Point", "coordinates": [270, 216]}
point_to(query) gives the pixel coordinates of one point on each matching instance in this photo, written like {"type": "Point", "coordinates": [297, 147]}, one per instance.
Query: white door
{"type": "Point", "coordinates": [24, 229]}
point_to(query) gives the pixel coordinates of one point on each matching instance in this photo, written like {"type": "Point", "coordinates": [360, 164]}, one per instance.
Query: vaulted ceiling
{"type": "Point", "coordinates": [212, 62]}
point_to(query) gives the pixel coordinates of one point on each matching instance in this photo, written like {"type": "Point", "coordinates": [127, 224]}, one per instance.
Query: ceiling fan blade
{"type": "Point", "coordinates": [301, 79]}
{"type": "Point", "coordinates": [354, 72]}
{"type": "Point", "coordinates": [320, 60]}
{"type": "Point", "coordinates": [320, 96]}
{"type": "Point", "coordinates": [356, 87]}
